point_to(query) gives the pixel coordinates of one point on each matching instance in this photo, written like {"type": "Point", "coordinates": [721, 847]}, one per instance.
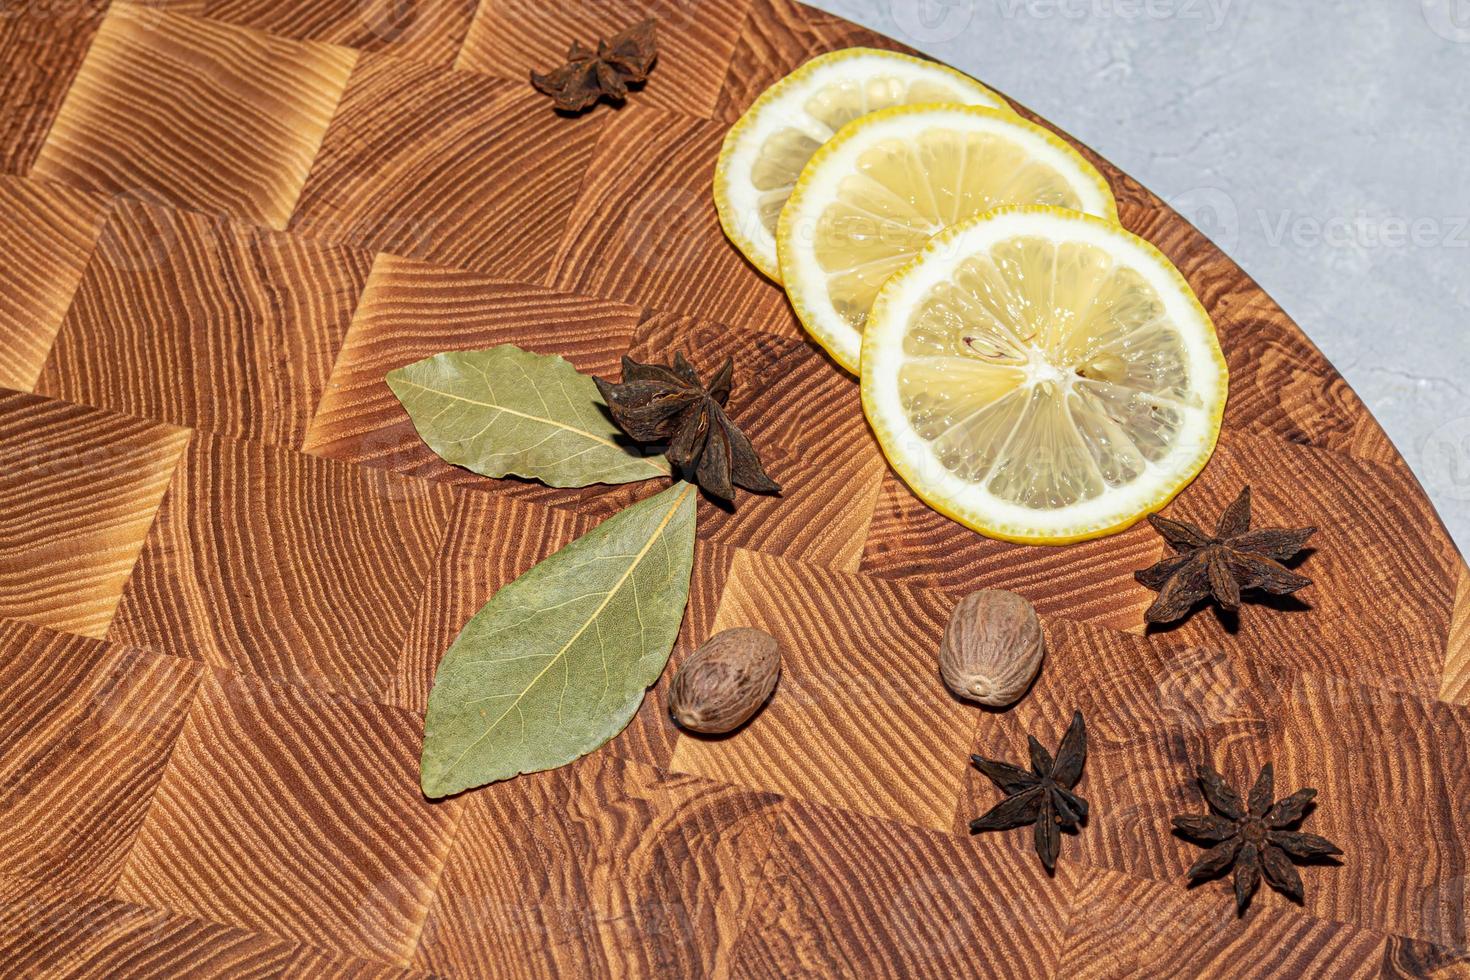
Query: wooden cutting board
{"type": "Point", "coordinates": [228, 567]}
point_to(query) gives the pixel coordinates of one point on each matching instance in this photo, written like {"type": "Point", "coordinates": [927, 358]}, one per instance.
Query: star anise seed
{"type": "Point", "coordinates": [604, 74]}
{"type": "Point", "coordinates": [656, 403]}
{"type": "Point", "coordinates": [1222, 565]}
{"type": "Point", "coordinates": [1252, 838]}
{"type": "Point", "coordinates": [1043, 796]}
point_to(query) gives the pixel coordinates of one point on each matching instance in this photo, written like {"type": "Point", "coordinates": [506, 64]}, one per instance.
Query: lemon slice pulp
{"type": "Point", "coordinates": [871, 198]}
{"type": "Point", "coordinates": [765, 151]}
{"type": "Point", "coordinates": [1042, 376]}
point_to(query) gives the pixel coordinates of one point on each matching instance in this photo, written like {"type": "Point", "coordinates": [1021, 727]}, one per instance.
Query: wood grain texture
{"type": "Point", "coordinates": [426, 30]}
{"type": "Point", "coordinates": [411, 310]}
{"type": "Point", "coordinates": [1414, 958]}
{"type": "Point", "coordinates": [1089, 582]}
{"type": "Point", "coordinates": [856, 721]}
{"type": "Point", "coordinates": [601, 869]}
{"type": "Point", "coordinates": [449, 167]}
{"type": "Point", "coordinates": [1278, 387]}
{"type": "Point", "coordinates": [257, 564]}
{"type": "Point", "coordinates": [41, 48]}
{"type": "Point", "coordinates": [821, 515]}
{"type": "Point", "coordinates": [182, 111]}
{"type": "Point", "coordinates": [650, 235]}
{"type": "Point", "coordinates": [333, 846]}
{"type": "Point", "coordinates": [49, 231]}
{"type": "Point", "coordinates": [85, 731]}
{"type": "Point", "coordinates": [284, 566]}
{"type": "Point", "coordinates": [78, 491]}
{"type": "Point", "coordinates": [1154, 714]}
{"type": "Point", "coordinates": [511, 38]}
{"type": "Point", "coordinates": [1399, 762]}
{"type": "Point", "coordinates": [47, 931]}
{"type": "Point", "coordinates": [1128, 927]}
{"type": "Point", "coordinates": [1384, 568]}
{"type": "Point", "coordinates": [846, 895]}
{"type": "Point", "coordinates": [199, 322]}
{"type": "Point", "coordinates": [1454, 683]}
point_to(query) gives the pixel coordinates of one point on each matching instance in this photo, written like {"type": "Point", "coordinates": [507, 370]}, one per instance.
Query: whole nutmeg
{"type": "Point", "coordinates": [992, 647]}
{"type": "Point", "coordinates": [725, 681]}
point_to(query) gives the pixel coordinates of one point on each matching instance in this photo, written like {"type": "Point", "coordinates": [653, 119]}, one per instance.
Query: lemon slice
{"type": "Point", "coordinates": [874, 194]}
{"type": "Point", "coordinates": [766, 149]}
{"type": "Point", "coordinates": [1042, 376]}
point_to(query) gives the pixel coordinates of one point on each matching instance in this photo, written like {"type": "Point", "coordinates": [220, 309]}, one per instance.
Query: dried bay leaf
{"type": "Point", "coordinates": [509, 412]}
{"type": "Point", "coordinates": [558, 661]}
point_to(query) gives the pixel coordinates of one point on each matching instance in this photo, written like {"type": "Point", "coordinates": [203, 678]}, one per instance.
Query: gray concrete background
{"type": "Point", "coordinates": [1323, 144]}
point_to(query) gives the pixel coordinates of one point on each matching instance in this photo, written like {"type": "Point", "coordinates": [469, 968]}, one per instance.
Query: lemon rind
{"type": "Point", "coordinates": [1179, 476]}
{"type": "Point", "coordinates": [849, 354]}
{"type": "Point", "coordinates": [729, 219]}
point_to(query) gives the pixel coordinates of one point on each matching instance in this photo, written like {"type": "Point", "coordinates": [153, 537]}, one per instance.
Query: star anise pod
{"type": "Point", "coordinates": [1254, 837]}
{"type": "Point", "coordinates": [1042, 797]}
{"type": "Point", "coordinates": [1222, 565]}
{"type": "Point", "coordinates": [668, 404]}
{"type": "Point", "coordinates": [605, 73]}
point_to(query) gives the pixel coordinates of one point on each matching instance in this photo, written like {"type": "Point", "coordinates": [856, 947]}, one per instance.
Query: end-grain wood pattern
{"type": "Point", "coordinates": [196, 114]}
{"type": "Point", "coordinates": [41, 48]}
{"type": "Point", "coordinates": [450, 167]}
{"type": "Point", "coordinates": [79, 488]}
{"type": "Point", "coordinates": [326, 846]}
{"type": "Point", "coordinates": [49, 231]}
{"type": "Point", "coordinates": [228, 566]}
{"type": "Point", "coordinates": [283, 566]}
{"type": "Point", "coordinates": [187, 319]}
{"type": "Point", "coordinates": [1455, 678]}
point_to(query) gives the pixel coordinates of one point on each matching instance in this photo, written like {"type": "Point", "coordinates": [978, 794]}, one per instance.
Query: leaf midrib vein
{"type": "Point", "coordinates": [657, 534]}
{"type": "Point", "coordinates": [534, 418]}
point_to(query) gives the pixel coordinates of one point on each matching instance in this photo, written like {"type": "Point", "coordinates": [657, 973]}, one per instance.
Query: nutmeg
{"type": "Point", "coordinates": [992, 647]}
{"type": "Point", "coordinates": [725, 681]}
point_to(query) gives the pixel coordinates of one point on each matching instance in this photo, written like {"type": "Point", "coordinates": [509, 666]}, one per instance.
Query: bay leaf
{"type": "Point", "coordinates": [510, 412]}
{"type": "Point", "coordinates": [558, 661]}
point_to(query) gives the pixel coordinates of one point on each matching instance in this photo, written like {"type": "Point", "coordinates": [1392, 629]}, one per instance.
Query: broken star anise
{"type": "Point", "coordinates": [1222, 565]}
{"type": "Point", "coordinates": [602, 74]}
{"type": "Point", "coordinates": [1254, 837]}
{"type": "Point", "coordinates": [1043, 796]}
{"type": "Point", "coordinates": [668, 404]}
